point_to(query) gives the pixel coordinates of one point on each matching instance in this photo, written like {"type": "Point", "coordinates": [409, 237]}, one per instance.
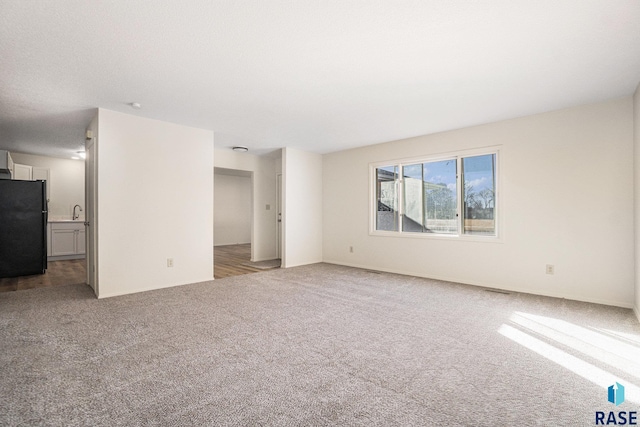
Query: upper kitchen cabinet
{"type": "Point", "coordinates": [32, 173]}
{"type": "Point", "coordinates": [22, 172]}
{"type": "Point", "coordinates": [6, 165]}
{"type": "Point", "coordinates": [64, 177]}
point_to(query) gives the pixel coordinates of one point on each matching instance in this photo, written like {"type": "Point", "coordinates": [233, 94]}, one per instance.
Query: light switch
{"type": "Point", "coordinates": [268, 207]}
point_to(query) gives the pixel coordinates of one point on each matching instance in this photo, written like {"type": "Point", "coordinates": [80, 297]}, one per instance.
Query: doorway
{"type": "Point", "coordinates": [232, 223]}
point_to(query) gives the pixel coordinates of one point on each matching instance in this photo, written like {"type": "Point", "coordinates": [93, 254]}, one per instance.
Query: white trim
{"type": "Point", "coordinates": [102, 295]}
{"type": "Point", "coordinates": [458, 156]}
{"type": "Point", "coordinates": [637, 312]}
{"type": "Point", "coordinates": [265, 259]}
{"type": "Point", "coordinates": [492, 285]}
{"type": "Point", "coordinates": [66, 257]}
{"type": "Point", "coordinates": [279, 225]}
{"type": "Point", "coordinates": [438, 236]}
{"type": "Point", "coordinates": [252, 232]}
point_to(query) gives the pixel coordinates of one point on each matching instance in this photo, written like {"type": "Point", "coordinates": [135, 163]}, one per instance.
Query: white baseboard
{"type": "Point", "coordinates": [102, 295]}
{"type": "Point", "coordinates": [65, 257]}
{"type": "Point", "coordinates": [264, 259]}
{"type": "Point", "coordinates": [487, 285]}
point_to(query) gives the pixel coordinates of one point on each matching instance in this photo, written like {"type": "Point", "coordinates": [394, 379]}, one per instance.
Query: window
{"type": "Point", "coordinates": [451, 195]}
{"type": "Point", "coordinates": [479, 193]}
{"type": "Point", "coordinates": [387, 198]}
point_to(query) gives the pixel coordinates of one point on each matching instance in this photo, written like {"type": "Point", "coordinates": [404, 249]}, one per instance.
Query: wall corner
{"type": "Point", "coordinates": [636, 196]}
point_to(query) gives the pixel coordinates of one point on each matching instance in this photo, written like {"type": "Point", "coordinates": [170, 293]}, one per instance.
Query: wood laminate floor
{"type": "Point", "coordinates": [229, 261]}
{"type": "Point", "coordinates": [58, 273]}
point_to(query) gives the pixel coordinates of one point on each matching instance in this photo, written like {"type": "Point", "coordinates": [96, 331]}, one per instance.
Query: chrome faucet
{"type": "Point", "coordinates": [76, 215]}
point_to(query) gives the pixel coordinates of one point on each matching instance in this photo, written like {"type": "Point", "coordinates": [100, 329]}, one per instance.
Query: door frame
{"type": "Point", "coordinates": [279, 215]}
{"type": "Point", "coordinates": [90, 200]}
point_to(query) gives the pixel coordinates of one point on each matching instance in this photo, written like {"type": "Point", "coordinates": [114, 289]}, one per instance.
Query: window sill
{"type": "Point", "coordinates": [434, 236]}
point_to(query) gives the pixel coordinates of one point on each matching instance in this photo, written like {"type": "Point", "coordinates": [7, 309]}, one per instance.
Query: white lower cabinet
{"type": "Point", "coordinates": [81, 243]}
{"type": "Point", "coordinates": [67, 239]}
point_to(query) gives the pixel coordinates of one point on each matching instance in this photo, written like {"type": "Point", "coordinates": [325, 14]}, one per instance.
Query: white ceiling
{"type": "Point", "coordinates": [317, 75]}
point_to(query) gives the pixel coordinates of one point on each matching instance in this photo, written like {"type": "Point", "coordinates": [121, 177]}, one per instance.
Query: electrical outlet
{"type": "Point", "coordinates": [550, 269]}
{"type": "Point", "coordinates": [351, 249]}
{"type": "Point", "coordinates": [169, 262]}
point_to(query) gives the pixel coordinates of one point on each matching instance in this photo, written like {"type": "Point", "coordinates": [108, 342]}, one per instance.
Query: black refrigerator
{"type": "Point", "coordinates": [23, 228]}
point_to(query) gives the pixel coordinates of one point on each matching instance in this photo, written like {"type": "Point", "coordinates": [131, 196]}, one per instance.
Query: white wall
{"type": "Point", "coordinates": [232, 215]}
{"type": "Point", "coordinates": [567, 200]}
{"type": "Point", "coordinates": [155, 185]}
{"type": "Point", "coordinates": [263, 240]}
{"type": "Point", "coordinates": [636, 144]}
{"type": "Point", "coordinates": [66, 183]}
{"type": "Point", "coordinates": [302, 201]}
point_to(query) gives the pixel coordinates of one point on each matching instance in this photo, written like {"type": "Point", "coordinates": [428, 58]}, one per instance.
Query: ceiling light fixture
{"type": "Point", "coordinates": [240, 149]}
{"type": "Point", "coordinates": [136, 105]}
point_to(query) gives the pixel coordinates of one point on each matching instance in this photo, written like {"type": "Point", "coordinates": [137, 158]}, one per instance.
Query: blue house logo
{"type": "Point", "coordinates": [616, 393]}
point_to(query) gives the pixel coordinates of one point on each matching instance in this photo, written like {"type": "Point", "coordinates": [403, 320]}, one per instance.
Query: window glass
{"type": "Point", "coordinates": [479, 194]}
{"type": "Point", "coordinates": [430, 199]}
{"type": "Point", "coordinates": [387, 198]}
{"type": "Point", "coordinates": [440, 197]}
{"type": "Point", "coordinates": [413, 218]}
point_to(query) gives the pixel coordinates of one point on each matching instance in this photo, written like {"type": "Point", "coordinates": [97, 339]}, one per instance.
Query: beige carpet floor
{"type": "Point", "coordinates": [318, 345]}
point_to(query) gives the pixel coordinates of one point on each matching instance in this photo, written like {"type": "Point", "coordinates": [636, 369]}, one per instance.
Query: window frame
{"type": "Point", "coordinates": [458, 156]}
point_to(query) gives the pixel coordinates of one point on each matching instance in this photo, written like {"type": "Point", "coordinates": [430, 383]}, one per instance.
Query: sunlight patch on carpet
{"type": "Point", "coordinates": [574, 364]}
